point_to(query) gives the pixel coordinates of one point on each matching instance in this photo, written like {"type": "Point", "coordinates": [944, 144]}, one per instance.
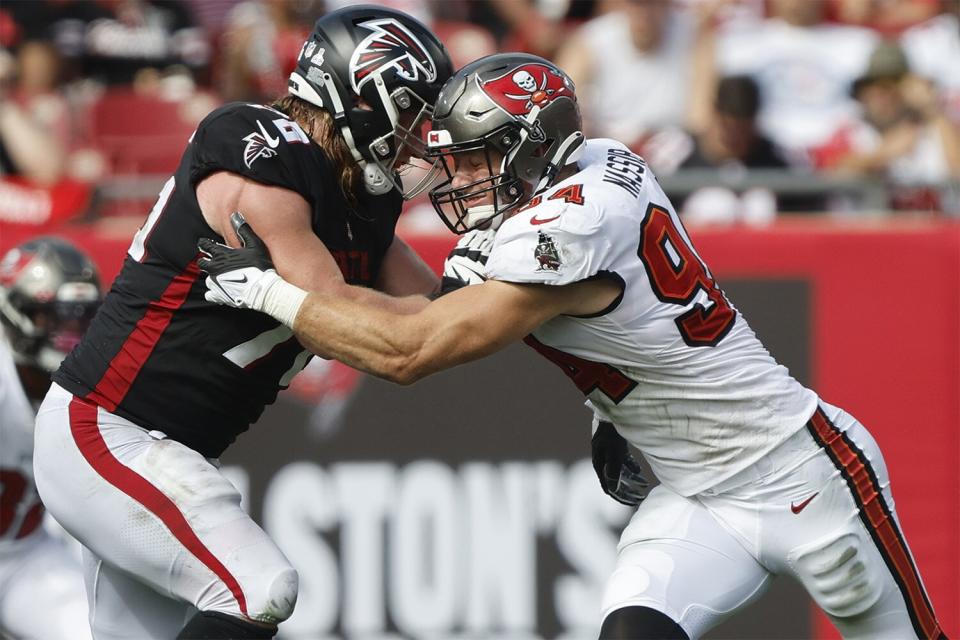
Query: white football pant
{"type": "Point", "coordinates": [818, 508]}
{"type": "Point", "coordinates": [163, 529]}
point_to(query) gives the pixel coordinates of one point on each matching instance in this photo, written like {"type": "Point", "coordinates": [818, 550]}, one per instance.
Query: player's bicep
{"type": "Point", "coordinates": [281, 218]}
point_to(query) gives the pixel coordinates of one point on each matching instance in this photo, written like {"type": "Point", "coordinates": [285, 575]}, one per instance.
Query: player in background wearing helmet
{"type": "Point", "coordinates": [592, 267]}
{"type": "Point", "coordinates": [49, 292]}
{"type": "Point", "coordinates": [129, 435]}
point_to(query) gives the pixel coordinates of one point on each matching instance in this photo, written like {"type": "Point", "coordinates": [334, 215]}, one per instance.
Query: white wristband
{"type": "Point", "coordinates": [283, 300]}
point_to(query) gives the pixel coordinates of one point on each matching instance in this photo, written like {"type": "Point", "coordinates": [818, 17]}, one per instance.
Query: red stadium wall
{"type": "Point", "coordinates": [885, 320]}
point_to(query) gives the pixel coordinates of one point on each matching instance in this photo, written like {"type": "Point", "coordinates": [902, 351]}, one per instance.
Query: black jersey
{"type": "Point", "coordinates": [160, 355]}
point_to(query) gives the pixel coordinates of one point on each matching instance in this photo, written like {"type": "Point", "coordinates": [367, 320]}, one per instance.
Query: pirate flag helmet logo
{"type": "Point", "coordinates": [521, 89]}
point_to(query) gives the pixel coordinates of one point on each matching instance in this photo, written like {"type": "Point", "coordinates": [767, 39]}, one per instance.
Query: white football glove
{"type": "Point", "coordinates": [245, 278]}
{"type": "Point", "coordinates": [466, 263]}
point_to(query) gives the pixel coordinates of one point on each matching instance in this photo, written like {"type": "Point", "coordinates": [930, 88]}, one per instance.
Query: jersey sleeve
{"type": "Point", "coordinates": [553, 243]}
{"type": "Point", "coordinates": [258, 143]}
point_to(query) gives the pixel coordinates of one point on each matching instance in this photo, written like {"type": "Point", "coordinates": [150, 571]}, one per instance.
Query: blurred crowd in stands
{"type": "Point", "coordinates": [745, 109]}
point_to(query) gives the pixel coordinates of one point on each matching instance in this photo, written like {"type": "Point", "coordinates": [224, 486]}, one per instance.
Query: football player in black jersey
{"type": "Point", "coordinates": [164, 381]}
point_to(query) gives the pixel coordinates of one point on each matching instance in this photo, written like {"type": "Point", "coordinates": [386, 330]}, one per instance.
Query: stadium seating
{"type": "Point", "coordinates": [139, 134]}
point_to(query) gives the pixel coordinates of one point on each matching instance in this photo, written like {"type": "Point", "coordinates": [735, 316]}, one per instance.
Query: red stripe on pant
{"type": "Point", "coordinates": [86, 433]}
{"type": "Point", "coordinates": [879, 521]}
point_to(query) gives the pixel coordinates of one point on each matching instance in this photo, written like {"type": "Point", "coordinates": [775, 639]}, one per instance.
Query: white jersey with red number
{"type": "Point", "coordinates": [672, 363]}
{"type": "Point", "coordinates": [21, 511]}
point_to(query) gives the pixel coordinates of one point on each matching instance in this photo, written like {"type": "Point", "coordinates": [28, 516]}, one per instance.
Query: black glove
{"type": "Point", "coordinates": [219, 258]}
{"type": "Point", "coordinates": [237, 277]}
{"type": "Point", "coordinates": [619, 473]}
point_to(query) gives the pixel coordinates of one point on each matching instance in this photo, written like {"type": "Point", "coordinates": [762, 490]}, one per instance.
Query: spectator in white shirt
{"type": "Point", "coordinates": [804, 67]}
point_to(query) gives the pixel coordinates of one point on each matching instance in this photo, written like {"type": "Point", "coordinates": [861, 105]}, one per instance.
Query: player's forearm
{"type": "Point", "coordinates": [396, 347]}
{"type": "Point", "coordinates": [371, 297]}
{"type": "Point", "coordinates": [366, 337]}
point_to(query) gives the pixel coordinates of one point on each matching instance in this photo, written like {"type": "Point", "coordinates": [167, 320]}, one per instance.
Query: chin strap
{"type": "Point", "coordinates": [485, 213]}
{"type": "Point", "coordinates": [374, 181]}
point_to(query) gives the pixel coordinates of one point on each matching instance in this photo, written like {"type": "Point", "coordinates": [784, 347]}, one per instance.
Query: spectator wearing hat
{"type": "Point", "coordinates": [902, 133]}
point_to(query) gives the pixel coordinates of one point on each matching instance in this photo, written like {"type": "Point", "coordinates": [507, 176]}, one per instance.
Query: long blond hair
{"type": "Point", "coordinates": [318, 124]}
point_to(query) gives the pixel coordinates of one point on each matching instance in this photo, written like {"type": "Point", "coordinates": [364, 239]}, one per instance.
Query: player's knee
{"type": "Point", "coordinates": [277, 602]}
{"type": "Point", "coordinates": [634, 623]}
{"type": "Point", "coordinates": [268, 598]}
{"type": "Point", "coordinates": [840, 574]}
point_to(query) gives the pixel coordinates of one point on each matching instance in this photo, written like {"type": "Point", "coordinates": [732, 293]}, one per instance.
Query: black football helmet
{"type": "Point", "coordinates": [391, 62]}
{"type": "Point", "coordinates": [522, 111]}
{"type": "Point", "coordinates": [49, 293]}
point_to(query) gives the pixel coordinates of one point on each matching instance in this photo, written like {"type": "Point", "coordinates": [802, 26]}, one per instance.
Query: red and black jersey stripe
{"type": "Point", "coordinates": [156, 353]}
{"type": "Point", "coordinates": [111, 389]}
{"type": "Point", "coordinates": [877, 517]}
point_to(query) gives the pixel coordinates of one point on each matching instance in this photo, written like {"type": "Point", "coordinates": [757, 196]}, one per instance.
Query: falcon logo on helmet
{"type": "Point", "coordinates": [522, 88]}
{"type": "Point", "coordinates": [378, 72]}
{"type": "Point", "coordinates": [390, 45]}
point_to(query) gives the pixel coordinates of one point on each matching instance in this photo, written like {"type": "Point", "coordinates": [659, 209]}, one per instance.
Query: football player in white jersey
{"type": "Point", "coordinates": [591, 266]}
{"type": "Point", "coordinates": [49, 291]}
